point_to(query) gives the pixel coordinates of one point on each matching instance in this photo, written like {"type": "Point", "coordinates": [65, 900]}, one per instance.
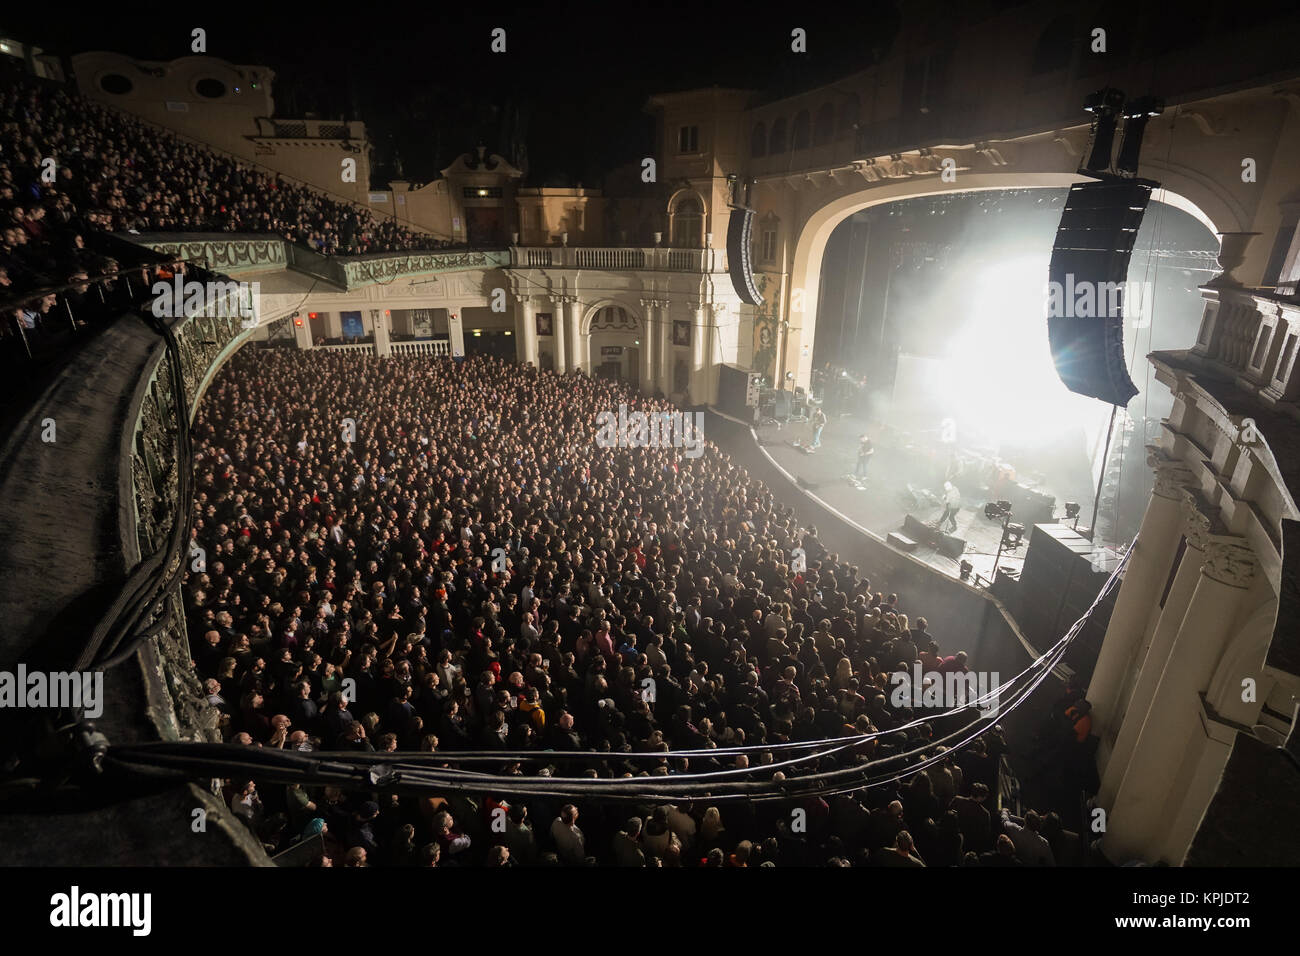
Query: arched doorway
{"type": "Point", "coordinates": [614, 343]}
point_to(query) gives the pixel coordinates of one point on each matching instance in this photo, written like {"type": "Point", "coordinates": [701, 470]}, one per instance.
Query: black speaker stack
{"type": "Point", "coordinates": [1062, 575]}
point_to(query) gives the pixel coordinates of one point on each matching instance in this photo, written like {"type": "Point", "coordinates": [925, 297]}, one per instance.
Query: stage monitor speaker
{"type": "Point", "coordinates": [948, 545]}
{"type": "Point", "coordinates": [738, 245]}
{"type": "Point", "coordinates": [1088, 272]}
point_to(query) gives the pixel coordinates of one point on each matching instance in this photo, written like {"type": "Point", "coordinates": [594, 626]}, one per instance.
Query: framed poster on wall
{"type": "Point", "coordinates": [353, 328]}
{"type": "Point", "coordinates": [681, 333]}
{"type": "Point", "coordinates": [422, 323]}
{"type": "Point", "coordinates": [545, 324]}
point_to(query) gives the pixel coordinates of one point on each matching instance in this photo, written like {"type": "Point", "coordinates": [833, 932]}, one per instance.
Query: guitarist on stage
{"type": "Point", "coordinates": [818, 423]}
{"type": "Point", "coordinates": [865, 451]}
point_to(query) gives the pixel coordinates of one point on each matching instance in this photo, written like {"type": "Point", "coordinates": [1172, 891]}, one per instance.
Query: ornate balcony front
{"type": "Point", "coordinates": [619, 258]}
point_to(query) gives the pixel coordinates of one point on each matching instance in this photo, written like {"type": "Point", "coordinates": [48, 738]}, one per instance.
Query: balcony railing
{"type": "Point", "coordinates": [268, 128]}
{"type": "Point", "coordinates": [436, 347]}
{"type": "Point", "coordinates": [617, 258]}
{"type": "Point", "coordinates": [366, 348]}
{"type": "Point", "coordinates": [1250, 335]}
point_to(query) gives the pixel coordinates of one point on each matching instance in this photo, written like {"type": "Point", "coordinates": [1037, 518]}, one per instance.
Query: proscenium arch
{"type": "Point", "coordinates": [815, 233]}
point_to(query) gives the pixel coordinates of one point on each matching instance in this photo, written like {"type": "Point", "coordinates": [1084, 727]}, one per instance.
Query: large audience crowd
{"type": "Point", "coordinates": [354, 514]}
{"type": "Point", "coordinates": [70, 167]}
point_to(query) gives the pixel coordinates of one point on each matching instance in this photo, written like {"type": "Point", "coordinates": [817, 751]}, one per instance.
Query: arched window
{"type": "Point", "coordinates": [802, 130]}
{"type": "Point", "coordinates": [688, 223]}
{"type": "Point", "coordinates": [824, 128]}
{"type": "Point", "coordinates": [776, 142]}
{"type": "Point", "coordinates": [758, 142]}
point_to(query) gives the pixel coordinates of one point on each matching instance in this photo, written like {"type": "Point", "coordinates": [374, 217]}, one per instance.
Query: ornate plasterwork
{"type": "Point", "coordinates": [614, 319]}
{"type": "Point", "coordinates": [1229, 560]}
{"type": "Point", "coordinates": [227, 255]}
{"type": "Point", "coordinates": [358, 272]}
{"type": "Point", "coordinates": [200, 340]}
{"type": "Point", "coordinates": [1172, 474]}
{"type": "Point", "coordinates": [1197, 524]}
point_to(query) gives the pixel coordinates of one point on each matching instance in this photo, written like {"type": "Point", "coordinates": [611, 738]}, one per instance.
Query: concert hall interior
{"type": "Point", "coordinates": [647, 436]}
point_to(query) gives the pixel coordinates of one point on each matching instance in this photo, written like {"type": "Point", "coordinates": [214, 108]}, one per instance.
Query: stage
{"type": "Point", "coordinates": [906, 476]}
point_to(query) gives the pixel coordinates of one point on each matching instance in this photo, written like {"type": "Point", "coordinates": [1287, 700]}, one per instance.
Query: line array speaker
{"type": "Point", "coordinates": [738, 242]}
{"type": "Point", "coordinates": [1088, 273]}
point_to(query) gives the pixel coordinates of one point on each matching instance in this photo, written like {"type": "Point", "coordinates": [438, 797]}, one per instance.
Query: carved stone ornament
{"type": "Point", "coordinates": [1229, 560]}
{"type": "Point", "coordinates": [1172, 474]}
{"type": "Point", "coordinates": [1196, 523]}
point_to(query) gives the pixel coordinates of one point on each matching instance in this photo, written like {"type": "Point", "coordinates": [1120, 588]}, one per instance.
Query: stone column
{"type": "Point", "coordinates": [699, 345]}
{"type": "Point", "coordinates": [526, 330]}
{"type": "Point", "coordinates": [1198, 782]}
{"type": "Point", "coordinates": [648, 335]}
{"type": "Point", "coordinates": [664, 347]}
{"type": "Point", "coordinates": [1144, 578]}
{"type": "Point", "coordinates": [302, 333]}
{"type": "Point", "coordinates": [1172, 743]}
{"type": "Point", "coordinates": [379, 321]}
{"type": "Point", "coordinates": [558, 323]}
{"type": "Point", "coordinates": [708, 371]}
{"type": "Point", "coordinates": [577, 343]}
{"type": "Point", "coordinates": [1150, 661]}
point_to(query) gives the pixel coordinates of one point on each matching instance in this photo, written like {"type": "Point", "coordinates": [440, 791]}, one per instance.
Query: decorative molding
{"type": "Point", "coordinates": [1209, 122]}
{"type": "Point", "coordinates": [1069, 146]}
{"type": "Point", "coordinates": [1229, 560]}
{"type": "Point", "coordinates": [1172, 474]}
{"type": "Point", "coordinates": [1196, 523]}
{"type": "Point", "coordinates": [202, 341]}
{"type": "Point", "coordinates": [220, 254]}
{"type": "Point", "coordinates": [359, 272]}
{"type": "Point", "coordinates": [869, 170]}
{"type": "Point", "coordinates": [994, 156]}
{"type": "Point", "coordinates": [613, 318]}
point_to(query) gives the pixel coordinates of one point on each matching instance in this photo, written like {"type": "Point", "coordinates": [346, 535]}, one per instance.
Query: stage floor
{"type": "Point", "coordinates": [884, 500]}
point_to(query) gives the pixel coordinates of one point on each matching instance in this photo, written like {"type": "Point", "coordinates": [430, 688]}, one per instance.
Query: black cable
{"type": "Point", "coordinates": [407, 773]}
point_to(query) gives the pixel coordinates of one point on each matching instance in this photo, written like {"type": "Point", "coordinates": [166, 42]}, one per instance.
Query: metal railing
{"type": "Point", "coordinates": [63, 311]}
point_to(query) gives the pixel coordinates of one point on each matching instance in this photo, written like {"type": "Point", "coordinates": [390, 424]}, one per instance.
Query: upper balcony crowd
{"type": "Point", "coordinates": [70, 168]}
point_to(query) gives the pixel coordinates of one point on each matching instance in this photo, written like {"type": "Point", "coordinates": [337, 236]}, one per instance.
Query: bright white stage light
{"type": "Point", "coordinates": [1001, 382]}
